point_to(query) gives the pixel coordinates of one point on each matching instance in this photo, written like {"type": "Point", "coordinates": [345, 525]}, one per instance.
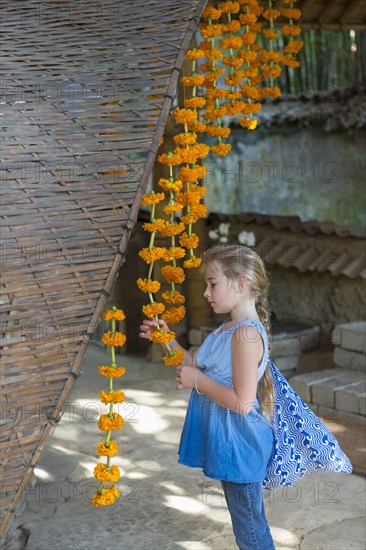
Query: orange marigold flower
{"type": "Point", "coordinates": [233, 42]}
{"type": "Point", "coordinates": [195, 54]}
{"type": "Point", "coordinates": [173, 274]}
{"type": "Point", "coordinates": [118, 315]}
{"type": "Point", "coordinates": [196, 80]}
{"type": "Point", "coordinates": [221, 150]}
{"type": "Point", "coordinates": [104, 473]}
{"type": "Point", "coordinates": [174, 253]}
{"type": "Point", "coordinates": [232, 62]}
{"type": "Point", "coordinates": [169, 160]}
{"type": "Point", "coordinates": [192, 174]}
{"type": "Point", "coordinates": [232, 7]}
{"type": "Point", "coordinates": [271, 13]}
{"type": "Point", "coordinates": [152, 198]}
{"type": "Point", "coordinates": [147, 285]}
{"type": "Point", "coordinates": [191, 154]}
{"type": "Point", "coordinates": [248, 56]}
{"type": "Point", "coordinates": [172, 229]}
{"type": "Point", "coordinates": [213, 54]}
{"type": "Point", "coordinates": [172, 208]}
{"type": "Point", "coordinates": [189, 241]}
{"type": "Point", "coordinates": [233, 26]}
{"type": "Point", "coordinates": [117, 339]}
{"type": "Point", "coordinates": [105, 423]}
{"type": "Point", "coordinates": [167, 185]}
{"type": "Point", "coordinates": [150, 310]}
{"type": "Point", "coordinates": [249, 38]}
{"type": "Point", "coordinates": [273, 72]}
{"type": "Point", "coordinates": [105, 496]}
{"type": "Point", "coordinates": [247, 18]}
{"type": "Point", "coordinates": [112, 397]}
{"type": "Point", "coordinates": [250, 92]}
{"type": "Point", "coordinates": [249, 123]}
{"type": "Point", "coordinates": [162, 337]}
{"type": "Point", "coordinates": [197, 127]}
{"type": "Point", "coordinates": [111, 372]}
{"type": "Point", "coordinates": [185, 115]}
{"type": "Point", "coordinates": [211, 13]}
{"type": "Point", "coordinates": [235, 108]}
{"type": "Point", "coordinates": [175, 359]}
{"type": "Point", "coordinates": [216, 93]}
{"type": "Point", "coordinates": [250, 108]}
{"type": "Point", "coordinates": [233, 96]}
{"type": "Point", "coordinates": [193, 196]}
{"type": "Point", "coordinates": [293, 46]}
{"type": "Point", "coordinates": [270, 34]}
{"type": "Point", "coordinates": [271, 92]}
{"type": "Point", "coordinates": [195, 102]}
{"type": "Point", "coordinates": [211, 31]}
{"type": "Point", "coordinates": [192, 262]}
{"type": "Point", "coordinates": [199, 210]}
{"type": "Point", "coordinates": [173, 297]}
{"type": "Point", "coordinates": [291, 30]}
{"type": "Point", "coordinates": [173, 315]}
{"type": "Point", "coordinates": [107, 450]}
{"type": "Point", "coordinates": [270, 56]}
{"type": "Point", "coordinates": [185, 139]}
{"type": "Point", "coordinates": [291, 13]}
{"type": "Point", "coordinates": [290, 62]}
{"type": "Point", "coordinates": [218, 131]}
{"type": "Point", "coordinates": [154, 226]}
{"type": "Point", "coordinates": [154, 253]}
{"type": "Point", "coordinates": [235, 79]}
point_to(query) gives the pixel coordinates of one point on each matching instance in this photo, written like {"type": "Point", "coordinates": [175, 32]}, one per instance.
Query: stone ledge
{"type": "Point", "coordinates": [349, 360]}
{"type": "Point", "coordinates": [333, 388]}
{"type": "Point", "coordinates": [351, 336]}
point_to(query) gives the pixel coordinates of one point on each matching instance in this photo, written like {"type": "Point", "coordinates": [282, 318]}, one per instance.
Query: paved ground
{"type": "Point", "coordinates": [164, 506]}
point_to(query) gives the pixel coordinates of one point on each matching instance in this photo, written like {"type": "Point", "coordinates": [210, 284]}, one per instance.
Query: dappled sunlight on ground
{"type": "Point", "coordinates": [163, 505]}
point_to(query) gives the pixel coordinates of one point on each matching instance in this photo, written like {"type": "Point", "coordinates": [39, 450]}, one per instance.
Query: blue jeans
{"type": "Point", "coordinates": [246, 507]}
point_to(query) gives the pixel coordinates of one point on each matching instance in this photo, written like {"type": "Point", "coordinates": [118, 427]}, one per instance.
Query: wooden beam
{"type": "Point", "coordinates": [352, 7]}
{"type": "Point", "coordinates": [309, 9]}
{"type": "Point", "coordinates": [333, 26]}
{"type": "Point", "coordinates": [329, 12]}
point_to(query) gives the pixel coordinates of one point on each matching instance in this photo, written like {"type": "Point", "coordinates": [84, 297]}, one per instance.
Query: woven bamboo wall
{"type": "Point", "coordinates": [87, 92]}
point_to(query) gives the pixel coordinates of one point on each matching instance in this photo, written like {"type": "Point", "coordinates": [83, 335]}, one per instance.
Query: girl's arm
{"type": "Point", "coordinates": [246, 349]}
{"type": "Point", "coordinates": [148, 326]}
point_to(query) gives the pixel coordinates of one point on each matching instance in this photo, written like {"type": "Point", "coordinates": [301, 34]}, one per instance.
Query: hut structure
{"type": "Point", "coordinates": [87, 89]}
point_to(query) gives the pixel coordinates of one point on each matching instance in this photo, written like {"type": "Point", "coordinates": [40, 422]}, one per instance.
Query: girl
{"type": "Point", "coordinates": [227, 430]}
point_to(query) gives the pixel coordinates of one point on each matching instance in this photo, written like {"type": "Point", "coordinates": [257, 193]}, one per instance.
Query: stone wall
{"type": "Point", "coordinates": [291, 170]}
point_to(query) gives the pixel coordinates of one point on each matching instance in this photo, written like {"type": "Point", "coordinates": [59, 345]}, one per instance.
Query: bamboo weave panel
{"type": "Point", "coordinates": [86, 92]}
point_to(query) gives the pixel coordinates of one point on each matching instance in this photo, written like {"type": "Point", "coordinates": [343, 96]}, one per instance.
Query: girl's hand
{"type": "Point", "coordinates": [148, 326]}
{"type": "Point", "coordinates": [185, 376]}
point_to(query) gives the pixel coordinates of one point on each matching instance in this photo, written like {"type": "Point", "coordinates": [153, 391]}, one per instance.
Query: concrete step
{"type": "Point", "coordinates": [350, 360]}
{"type": "Point", "coordinates": [338, 389]}
{"type": "Point", "coordinates": [351, 336]}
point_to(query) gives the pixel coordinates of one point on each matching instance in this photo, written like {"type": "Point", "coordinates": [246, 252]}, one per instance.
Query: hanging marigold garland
{"type": "Point", "coordinates": [229, 54]}
{"type": "Point", "coordinates": [108, 474]}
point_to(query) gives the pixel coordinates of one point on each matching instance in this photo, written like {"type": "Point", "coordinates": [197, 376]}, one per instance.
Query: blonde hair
{"type": "Point", "coordinates": [235, 260]}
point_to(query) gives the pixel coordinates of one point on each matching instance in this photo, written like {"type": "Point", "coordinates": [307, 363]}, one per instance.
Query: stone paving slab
{"type": "Point", "coordinates": [163, 505]}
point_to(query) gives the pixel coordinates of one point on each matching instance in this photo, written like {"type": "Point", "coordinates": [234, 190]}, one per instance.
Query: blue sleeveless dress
{"type": "Point", "coordinates": [227, 445]}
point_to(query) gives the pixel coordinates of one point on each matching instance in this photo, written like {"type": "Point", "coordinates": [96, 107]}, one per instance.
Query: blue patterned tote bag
{"type": "Point", "coordinates": [302, 442]}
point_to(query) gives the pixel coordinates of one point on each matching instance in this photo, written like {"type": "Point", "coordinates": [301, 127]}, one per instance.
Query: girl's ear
{"type": "Point", "coordinates": [242, 282]}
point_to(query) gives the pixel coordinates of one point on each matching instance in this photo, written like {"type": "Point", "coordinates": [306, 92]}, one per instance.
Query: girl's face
{"type": "Point", "coordinates": [221, 296]}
